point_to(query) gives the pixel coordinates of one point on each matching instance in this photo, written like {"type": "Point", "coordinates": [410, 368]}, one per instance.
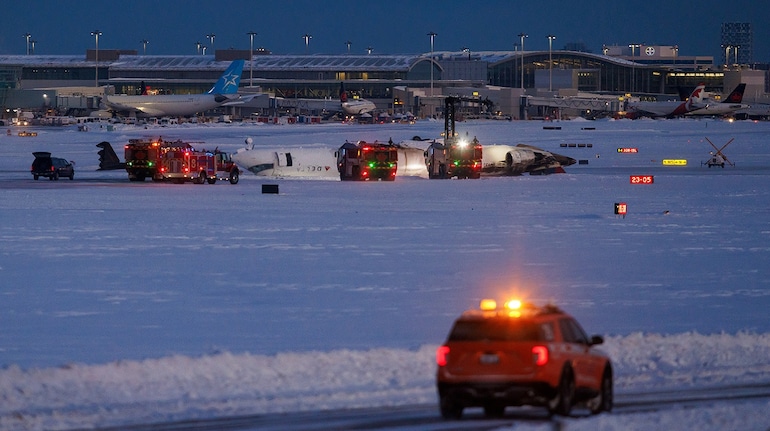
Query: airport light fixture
{"type": "Point", "coordinates": [675, 49]}
{"type": "Point", "coordinates": [251, 57]}
{"type": "Point", "coordinates": [32, 46]}
{"type": "Point", "coordinates": [633, 66]}
{"type": "Point", "coordinates": [307, 38]}
{"type": "Point", "coordinates": [27, 36]}
{"type": "Point", "coordinates": [348, 43]}
{"type": "Point", "coordinates": [522, 36]}
{"type": "Point", "coordinates": [467, 51]}
{"type": "Point", "coordinates": [432, 36]}
{"type": "Point", "coordinates": [96, 34]}
{"type": "Point", "coordinates": [735, 49]}
{"type": "Point", "coordinates": [197, 48]}
{"type": "Point", "coordinates": [210, 37]}
{"type": "Point", "coordinates": [550, 61]}
{"type": "Point", "coordinates": [369, 50]}
{"type": "Point", "coordinates": [727, 54]}
{"type": "Point", "coordinates": [144, 43]}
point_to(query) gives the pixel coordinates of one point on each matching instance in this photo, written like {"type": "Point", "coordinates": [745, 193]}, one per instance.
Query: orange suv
{"type": "Point", "coordinates": [521, 354]}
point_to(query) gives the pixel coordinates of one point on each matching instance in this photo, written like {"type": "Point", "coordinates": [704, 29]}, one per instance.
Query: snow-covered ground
{"type": "Point", "coordinates": [130, 303]}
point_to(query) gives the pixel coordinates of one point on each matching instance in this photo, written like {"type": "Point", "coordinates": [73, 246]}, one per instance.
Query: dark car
{"type": "Point", "coordinates": [51, 167]}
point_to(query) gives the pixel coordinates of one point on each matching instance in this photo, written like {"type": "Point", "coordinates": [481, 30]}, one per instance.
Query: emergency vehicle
{"type": "Point", "coordinates": [455, 157]}
{"type": "Point", "coordinates": [177, 161]}
{"type": "Point", "coordinates": [142, 158]}
{"type": "Point", "coordinates": [364, 161]}
{"type": "Point", "coordinates": [521, 354]}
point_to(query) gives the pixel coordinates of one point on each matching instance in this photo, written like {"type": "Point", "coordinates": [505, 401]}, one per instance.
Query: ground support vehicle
{"type": "Point", "coordinates": [52, 167]}
{"type": "Point", "coordinates": [521, 354]}
{"type": "Point", "coordinates": [364, 161]}
{"type": "Point", "coordinates": [455, 157]}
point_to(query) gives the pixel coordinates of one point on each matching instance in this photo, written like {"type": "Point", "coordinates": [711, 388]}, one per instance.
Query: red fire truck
{"type": "Point", "coordinates": [456, 157]}
{"type": "Point", "coordinates": [177, 161]}
{"type": "Point", "coordinates": [364, 161]}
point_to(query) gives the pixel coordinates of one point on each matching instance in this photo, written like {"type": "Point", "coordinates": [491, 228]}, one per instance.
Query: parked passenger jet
{"type": "Point", "coordinates": [355, 106]}
{"type": "Point", "coordinates": [223, 93]}
{"type": "Point", "coordinates": [731, 104]}
{"type": "Point", "coordinates": [321, 162]}
{"type": "Point", "coordinates": [344, 104]}
{"type": "Point", "coordinates": [667, 109]}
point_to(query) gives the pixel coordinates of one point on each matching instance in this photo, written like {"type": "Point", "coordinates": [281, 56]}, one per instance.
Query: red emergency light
{"type": "Point", "coordinates": [621, 208]}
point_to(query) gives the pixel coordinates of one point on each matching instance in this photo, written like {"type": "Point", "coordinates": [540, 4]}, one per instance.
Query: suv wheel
{"type": "Point", "coordinates": [604, 401]}
{"type": "Point", "coordinates": [561, 404]}
{"type": "Point", "coordinates": [450, 409]}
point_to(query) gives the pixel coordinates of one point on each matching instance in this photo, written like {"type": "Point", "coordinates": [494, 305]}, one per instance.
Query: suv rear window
{"type": "Point", "coordinates": [499, 330]}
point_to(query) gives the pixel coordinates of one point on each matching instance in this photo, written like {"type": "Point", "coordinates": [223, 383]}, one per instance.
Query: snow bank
{"type": "Point", "coordinates": [224, 384]}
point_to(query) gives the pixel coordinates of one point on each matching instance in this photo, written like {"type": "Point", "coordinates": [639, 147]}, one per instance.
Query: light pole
{"type": "Point", "coordinates": [522, 36]}
{"type": "Point", "coordinates": [144, 43]}
{"type": "Point", "coordinates": [307, 38]}
{"type": "Point", "coordinates": [197, 48]}
{"type": "Point", "coordinates": [735, 48]}
{"type": "Point", "coordinates": [633, 66]}
{"type": "Point", "coordinates": [550, 61]}
{"type": "Point", "coordinates": [369, 50]}
{"type": "Point", "coordinates": [251, 57]}
{"type": "Point", "coordinates": [432, 36]}
{"type": "Point", "coordinates": [675, 48]}
{"type": "Point", "coordinates": [348, 43]}
{"type": "Point", "coordinates": [27, 36]}
{"type": "Point", "coordinates": [727, 54]}
{"type": "Point", "coordinates": [211, 37]}
{"type": "Point", "coordinates": [32, 47]}
{"type": "Point", "coordinates": [467, 51]}
{"type": "Point", "coordinates": [96, 34]}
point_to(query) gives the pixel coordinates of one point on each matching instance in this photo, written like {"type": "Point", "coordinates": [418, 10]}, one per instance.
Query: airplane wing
{"type": "Point", "coordinates": [139, 109]}
{"type": "Point", "coordinates": [245, 98]}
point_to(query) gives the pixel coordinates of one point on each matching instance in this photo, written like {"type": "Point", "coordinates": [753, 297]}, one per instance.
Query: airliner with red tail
{"type": "Point", "coordinates": [667, 109]}
{"type": "Point", "coordinates": [730, 104]}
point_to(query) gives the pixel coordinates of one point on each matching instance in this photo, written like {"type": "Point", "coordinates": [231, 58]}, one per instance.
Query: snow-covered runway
{"type": "Point", "coordinates": [203, 300]}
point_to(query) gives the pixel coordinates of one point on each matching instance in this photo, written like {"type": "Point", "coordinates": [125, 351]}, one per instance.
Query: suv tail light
{"type": "Point", "coordinates": [540, 355]}
{"type": "Point", "coordinates": [442, 354]}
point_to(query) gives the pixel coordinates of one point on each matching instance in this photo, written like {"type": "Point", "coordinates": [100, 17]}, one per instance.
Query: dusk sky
{"type": "Point", "coordinates": [388, 27]}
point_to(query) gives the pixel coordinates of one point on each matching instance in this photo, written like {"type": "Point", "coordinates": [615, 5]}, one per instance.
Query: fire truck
{"type": "Point", "coordinates": [364, 161]}
{"type": "Point", "coordinates": [177, 161]}
{"type": "Point", "coordinates": [455, 157]}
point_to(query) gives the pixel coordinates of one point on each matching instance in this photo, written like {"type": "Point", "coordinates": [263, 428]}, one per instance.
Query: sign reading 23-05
{"type": "Point", "coordinates": [642, 179]}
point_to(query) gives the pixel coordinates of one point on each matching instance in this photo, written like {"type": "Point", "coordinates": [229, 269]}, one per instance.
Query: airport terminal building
{"type": "Point", "coordinates": [71, 85]}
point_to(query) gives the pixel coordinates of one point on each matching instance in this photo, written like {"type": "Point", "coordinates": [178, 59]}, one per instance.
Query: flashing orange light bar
{"type": "Point", "coordinates": [674, 162]}
{"type": "Point", "coordinates": [488, 304]}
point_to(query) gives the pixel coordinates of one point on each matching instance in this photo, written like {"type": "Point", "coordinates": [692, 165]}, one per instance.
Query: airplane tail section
{"type": "Point", "coordinates": [230, 80]}
{"type": "Point", "coordinates": [695, 100]}
{"type": "Point", "coordinates": [108, 160]}
{"type": "Point", "coordinates": [343, 93]}
{"type": "Point", "coordinates": [737, 95]}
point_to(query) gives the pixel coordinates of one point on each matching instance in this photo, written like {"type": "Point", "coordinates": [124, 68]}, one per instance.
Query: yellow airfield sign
{"type": "Point", "coordinates": [674, 162]}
